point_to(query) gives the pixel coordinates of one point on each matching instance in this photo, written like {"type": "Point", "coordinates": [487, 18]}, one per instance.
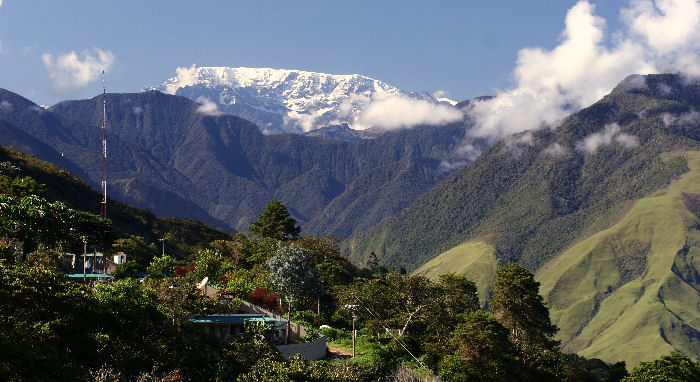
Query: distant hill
{"type": "Point", "coordinates": [167, 155]}
{"type": "Point", "coordinates": [184, 236]}
{"type": "Point", "coordinates": [584, 204]}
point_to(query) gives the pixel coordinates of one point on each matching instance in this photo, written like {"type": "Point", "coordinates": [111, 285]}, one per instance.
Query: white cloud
{"type": "Point", "coordinates": [185, 77]}
{"type": "Point", "coordinates": [208, 107]}
{"type": "Point", "coordinates": [5, 106]}
{"type": "Point", "coordinates": [38, 109]}
{"type": "Point", "coordinates": [556, 150]}
{"type": "Point", "coordinates": [607, 136]}
{"type": "Point", "coordinates": [441, 94]}
{"type": "Point", "coordinates": [396, 112]}
{"type": "Point", "coordinates": [690, 118]}
{"type": "Point", "coordinates": [137, 110]}
{"type": "Point", "coordinates": [71, 72]}
{"type": "Point", "coordinates": [660, 36]}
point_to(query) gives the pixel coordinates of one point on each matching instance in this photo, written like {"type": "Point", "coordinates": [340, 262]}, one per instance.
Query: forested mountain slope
{"type": "Point", "coordinates": [184, 236]}
{"type": "Point", "coordinates": [167, 154]}
{"type": "Point", "coordinates": [601, 205]}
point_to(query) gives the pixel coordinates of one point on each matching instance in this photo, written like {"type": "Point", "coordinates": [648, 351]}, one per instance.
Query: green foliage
{"type": "Point", "coordinates": [45, 320]}
{"type": "Point", "coordinates": [519, 307]}
{"type": "Point", "coordinates": [126, 269]}
{"type": "Point", "coordinates": [276, 223]}
{"type": "Point", "coordinates": [300, 370]}
{"type": "Point", "coordinates": [209, 264]}
{"type": "Point", "coordinates": [161, 266]}
{"type": "Point", "coordinates": [19, 187]}
{"type": "Point", "coordinates": [32, 220]}
{"type": "Point", "coordinates": [139, 228]}
{"type": "Point", "coordinates": [674, 367]}
{"type": "Point", "coordinates": [482, 350]}
{"type": "Point", "coordinates": [136, 248]}
{"type": "Point", "coordinates": [290, 274]}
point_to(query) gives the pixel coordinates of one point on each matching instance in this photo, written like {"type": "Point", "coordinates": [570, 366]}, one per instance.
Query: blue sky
{"type": "Point", "coordinates": [466, 48]}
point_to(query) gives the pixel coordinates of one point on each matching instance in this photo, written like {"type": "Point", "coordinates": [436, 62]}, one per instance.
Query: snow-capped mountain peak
{"type": "Point", "coordinates": [283, 100]}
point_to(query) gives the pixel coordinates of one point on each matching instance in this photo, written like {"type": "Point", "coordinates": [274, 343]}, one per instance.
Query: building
{"type": "Point", "coordinates": [227, 326]}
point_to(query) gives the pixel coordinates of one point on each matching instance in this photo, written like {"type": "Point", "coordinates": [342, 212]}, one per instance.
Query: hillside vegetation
{"type": "Point", "coordinates": [583, 198]}
{"type": "Point", "coordinates": [630, 292]}
{"type": "Point", "coordinates": [183, 236]}
{"type": "Point", "coordinates": [534, 194]}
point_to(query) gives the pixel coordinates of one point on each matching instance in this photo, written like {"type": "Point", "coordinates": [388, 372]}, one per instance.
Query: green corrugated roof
{"type": "Point", "coordinates": [88, 275]}
{"type": "Point", "coordinates": [225, 318]}
{"type": "Point", "coordinates": [235, 318]}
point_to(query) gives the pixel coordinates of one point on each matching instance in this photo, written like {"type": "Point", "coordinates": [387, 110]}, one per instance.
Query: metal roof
{"type": "Point", "coordinates": [235, 318]}
{"type": "Point", "coordinates": [88, 275]}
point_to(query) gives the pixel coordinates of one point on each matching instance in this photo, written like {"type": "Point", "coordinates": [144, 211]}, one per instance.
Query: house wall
{"type": "Point", "coordinates": [312, 351]}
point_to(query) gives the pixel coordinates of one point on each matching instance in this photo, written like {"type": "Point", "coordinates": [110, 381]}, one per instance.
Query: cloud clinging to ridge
{"type": "Point", "coordinates": [395, 112]}
{"type": "Point", "coordinates": [657, 36]}
{"type": "Point", "coordinates": [208, 107]}
{"type": "Point", "coordinates": [71, 72]}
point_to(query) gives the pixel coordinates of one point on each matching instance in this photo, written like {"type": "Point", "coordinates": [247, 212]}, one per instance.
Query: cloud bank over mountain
{"type": "Point", "coordinates": [656, 36]}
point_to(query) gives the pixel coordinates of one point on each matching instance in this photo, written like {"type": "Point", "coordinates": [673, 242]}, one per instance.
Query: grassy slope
{"type": "Point", "coordinates": [475, 259]}
{"type": "Point", "coordinates": [630, 292]}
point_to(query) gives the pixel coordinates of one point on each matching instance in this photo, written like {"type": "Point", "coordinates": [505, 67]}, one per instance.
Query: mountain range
{"type": "Point", "coordinates": [282, 100]}
{"type": "Point", "coordinates": [603, 206]}
{"type": "Point", "coordinates": [168, 155]}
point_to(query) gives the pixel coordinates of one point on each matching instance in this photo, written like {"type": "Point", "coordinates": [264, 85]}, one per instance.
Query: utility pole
{"type": "Point", "coordinates": [354, 318]}
{"type": "Point", "coordinates": [84, 238]}
{"type": "Point", "coordinates": [162, 241]}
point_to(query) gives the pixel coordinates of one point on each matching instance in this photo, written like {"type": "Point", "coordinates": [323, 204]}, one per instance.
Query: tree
{"type": "Point", "coordinates": [455, 297]}
{"type": "Point", "coordinates": [519, 307]}
{"type": "Point", "coordinates": [126, 269]}
{"type": "Point", "coordinates": [290, 274]}
{"type": "Point", "coordinates": [372, 262]}
{"type": "Point", "coordinates": [209, 265]}
{"type": "Point", "coordinates": [481, 350]}
{"type": "Point", "coordinates": [161, 265]}
{"type": "Point", "coordinates": [46, 320]}
{"type": "Point", "coordinates": [674, 367]}
{"type": "Point", "coordinates": [275, 222]}
{"type": "Point", "coordinates": [32, 220]}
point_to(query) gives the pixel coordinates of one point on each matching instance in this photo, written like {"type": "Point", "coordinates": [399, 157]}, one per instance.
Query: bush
{"type": "Point", "coordinates": [335, 335]}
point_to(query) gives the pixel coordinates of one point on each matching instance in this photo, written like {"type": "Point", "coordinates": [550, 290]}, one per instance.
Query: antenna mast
{"type": "Point", "coordinates": [104, 147]}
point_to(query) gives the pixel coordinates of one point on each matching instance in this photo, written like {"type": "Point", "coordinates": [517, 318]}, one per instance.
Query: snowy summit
{"type": "Point", "coordinates": [282, 101]}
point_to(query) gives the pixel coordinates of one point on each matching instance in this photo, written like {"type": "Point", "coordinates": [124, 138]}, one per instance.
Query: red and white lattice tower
{"type": "Point", "coordinates": [104, 147]}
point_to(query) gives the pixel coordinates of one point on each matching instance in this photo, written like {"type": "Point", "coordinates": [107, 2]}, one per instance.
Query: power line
{"type": "Point", "coordinates": [403, 344]}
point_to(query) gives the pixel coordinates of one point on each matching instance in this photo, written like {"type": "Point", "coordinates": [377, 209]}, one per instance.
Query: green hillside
{"type": "Point", "coordinates": [615, 255]}
{"type": "Point", "coordinates": [475, 259]}
{"type": "Point", "coordinates": [533, 195]}
{"type": "Point", "coordinates": [630, 292]}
